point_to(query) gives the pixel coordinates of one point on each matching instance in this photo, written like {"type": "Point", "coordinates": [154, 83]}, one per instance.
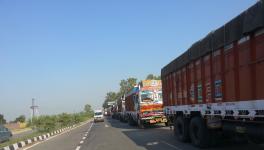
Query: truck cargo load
{"type": "Point", "coordinates": [218, 83]}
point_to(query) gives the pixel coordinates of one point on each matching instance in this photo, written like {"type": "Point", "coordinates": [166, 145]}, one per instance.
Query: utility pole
{"type": "Point", "coordinates": [34, 109]}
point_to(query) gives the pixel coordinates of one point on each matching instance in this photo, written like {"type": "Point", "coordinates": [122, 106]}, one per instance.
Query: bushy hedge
{"type": "Point", "coordinates": [48, 123]}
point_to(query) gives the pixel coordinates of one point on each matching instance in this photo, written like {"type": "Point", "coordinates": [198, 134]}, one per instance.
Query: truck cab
{"type": "Point", "coordinates": [144, 104]}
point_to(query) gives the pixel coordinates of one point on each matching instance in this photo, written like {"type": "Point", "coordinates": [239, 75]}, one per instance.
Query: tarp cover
{"type": "Point", "coordinates": [244, 24]}
{"type": "Point", "coordinates": [219, 38]}
{"type": "Point", "coordinates": [181, 61]}
{"type": "Point", "coordinates": [206, 44]}
{"type": "Point", "coordinates": [234, 29]}
{"type": "Point", "coordinates": [194, 50]}
{"type": "Point", "coordinates": [254, 17]}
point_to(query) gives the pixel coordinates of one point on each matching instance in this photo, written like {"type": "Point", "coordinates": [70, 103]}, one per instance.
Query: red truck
{"type": "Point", "coordinates": [143, 104]}
{"type": "Point", "coordinates": [121, 109]}
{"type": "Point", "coordinates": [217, 85]}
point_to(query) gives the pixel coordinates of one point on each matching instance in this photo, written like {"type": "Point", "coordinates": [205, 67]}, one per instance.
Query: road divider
{"type": "Point", "coordinates": [43, 137]}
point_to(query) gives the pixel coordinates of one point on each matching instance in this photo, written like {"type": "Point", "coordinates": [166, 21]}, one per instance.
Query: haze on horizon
{"type": "Point", "coordinates": [66, 54]}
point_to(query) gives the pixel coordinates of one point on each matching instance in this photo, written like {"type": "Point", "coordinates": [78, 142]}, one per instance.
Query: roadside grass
{"type": "Point", "coordinates": [26, 137]}
{"type": "Point", "coordinates": [31, 136]}
{"type": "Point", "coordinates": [17, 131]}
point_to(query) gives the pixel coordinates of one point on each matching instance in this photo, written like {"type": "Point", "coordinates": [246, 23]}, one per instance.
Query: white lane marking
{"type": "Point", "coordinates": [152, 143]}
{"type": "Point", "coordinates": [90, 128]}
{"type": "Point", "coordinates": [26, 148]}
{"type": "Point", "coordinates": [78, 147]}
{"type": "Point", "coordinates": [173, 146]}
{"type": "Point", "coordinates": [85, 134]}
{"type": "Point", "coordinates": [106, 125]}
{"type": "Point", "coordinates": [81, 142]}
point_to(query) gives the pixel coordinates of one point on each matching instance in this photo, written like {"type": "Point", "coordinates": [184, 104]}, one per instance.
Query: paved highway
{"type": "Point", "coordinates": [113, 135]}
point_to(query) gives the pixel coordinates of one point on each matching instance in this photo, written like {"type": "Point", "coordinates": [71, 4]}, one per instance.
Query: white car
{"type": "Point", "coordinates": [98, 116]}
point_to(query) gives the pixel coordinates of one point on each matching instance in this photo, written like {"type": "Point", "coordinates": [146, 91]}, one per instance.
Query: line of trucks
{"type": "Point", "coordinates": [216, 87]}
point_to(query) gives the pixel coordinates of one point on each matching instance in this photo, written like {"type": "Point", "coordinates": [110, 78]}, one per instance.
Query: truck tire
{"type": "Point", "coordinates": [199, 133]}
{"type": "Point", "coordinates": [140, 124]}
{"type": "Point", "coordinates": [168, 123]}
{"type": "Point", "coordinates": [181, 129]}
{"type": "Point", "coordinates": [131, 122]}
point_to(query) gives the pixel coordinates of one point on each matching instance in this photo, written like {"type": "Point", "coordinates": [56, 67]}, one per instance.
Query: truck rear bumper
{"type": "Point", "coordinates": [155, 120]}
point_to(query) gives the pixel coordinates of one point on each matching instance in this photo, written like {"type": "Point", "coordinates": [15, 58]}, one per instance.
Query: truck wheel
{"type": "Point", "coordinates": [131, 122]}
{"type": "Point", "coordinates": [140, 124]}
{"type": "Point", "coordinates": [181, 129]}
{"type": "Point", "coordinates": [199, 133]}
{"type": "Point", "coordinates": [168, 123]}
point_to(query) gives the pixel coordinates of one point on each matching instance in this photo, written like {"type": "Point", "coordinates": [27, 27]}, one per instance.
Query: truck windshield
{"type": "Point", "coordinates": [147, 96]}
{"type": "Point", "coordinates": [98, 113]}
{"type": "Point", "coordinates": [151, 96]}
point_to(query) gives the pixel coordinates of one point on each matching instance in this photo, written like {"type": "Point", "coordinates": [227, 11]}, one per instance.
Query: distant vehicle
{"type": "Point", "coordinates": [98, 116]}
{"type": "Point", "coordinates": [114, 111]}
{"type": "Point", "coordinates": [5, 134]}
{"type": "Point", "coordinates": [121, 109]}
{"type": "Point", "coordinates": [217, 85]}
{"type": "Point", "coordinates": [143, 104]}
{"type": "Point", "coordinates": [106, 112]}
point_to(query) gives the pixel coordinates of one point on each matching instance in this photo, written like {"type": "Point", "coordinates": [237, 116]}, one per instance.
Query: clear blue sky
{"type": "Point", "coordinates": [69, 53]}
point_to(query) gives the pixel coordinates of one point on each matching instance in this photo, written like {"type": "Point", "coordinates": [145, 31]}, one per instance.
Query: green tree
{"type": "Point", "coordinates": [21, 118]}
{"type": "Point", "coordinates": [126, 85]}
{"type": "Point", "coordinates": [110, 97]}
{"type": "Point", "coordinates": [152, 77]}
{"type": "Point", "coordinates": [2, 119]}
{"type": "Point", "coordinates": [88, 109]}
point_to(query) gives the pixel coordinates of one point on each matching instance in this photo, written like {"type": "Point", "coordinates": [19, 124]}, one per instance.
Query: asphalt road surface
{"type": "Point", "coordinates": [114, 135]}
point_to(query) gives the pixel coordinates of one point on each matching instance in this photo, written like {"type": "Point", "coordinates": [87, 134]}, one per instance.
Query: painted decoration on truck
{"type": "Point", "coordinates": [156, 83]}
{"type": "Point", "coordinates": [200, 93]}
{"type": "Point", "coordinates": [151, 107]}
{"type": "Point", "coordinates": [218, 90]}
{"type": "Point", "coordinates": [192, 92]}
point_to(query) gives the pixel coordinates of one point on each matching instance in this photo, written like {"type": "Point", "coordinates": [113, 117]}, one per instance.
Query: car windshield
{"type": "Point", "coordinates": [98, 113]}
